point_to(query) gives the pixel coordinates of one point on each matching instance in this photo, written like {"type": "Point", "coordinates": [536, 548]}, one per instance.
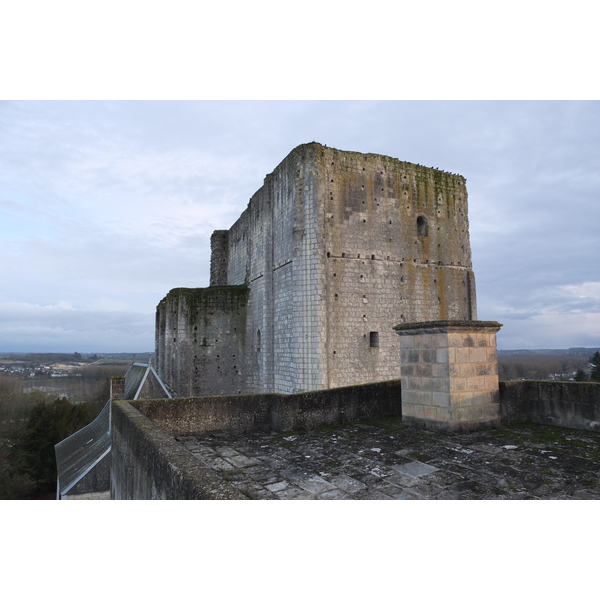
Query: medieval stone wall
{"type": "Point", "coordinates": [201, 339]}
{"type": "Point", "coordinates": [336, 248]}
{"type": "Point", "coordinates": [557, 403]}
{"type": "Point", "coordinates": [397, 250]}
{"type": "Point", "coordinates": [219, 252]}
{"type": "Point", "coordinates": [274, 248]}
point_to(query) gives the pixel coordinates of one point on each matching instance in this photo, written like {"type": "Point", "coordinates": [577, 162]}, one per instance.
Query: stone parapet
{"type": "Point", "coordinates": [558, 403]}
{"type": "Point", "coordinates": [148, 464]}
{"type": "Point", "coordinates": [449, 372]}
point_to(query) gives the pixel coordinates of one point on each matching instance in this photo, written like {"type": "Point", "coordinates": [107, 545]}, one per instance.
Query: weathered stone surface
{"type": "Point", "coordinates": [414, 469]}
{"type": "Point", "coordinates": [278, 487]}
{"type": "Point", "coordinates": [348, 484]}
{"type": "Point", "coordinates": [332, 251]}
{"type": "Point", "coordinates": [449, 374]}
{"type": "Point", "coordinates": [565, 404]}
{"type": "Point", "coordinates": [148, 464]}
{"type": "Point", "coordinates": [362, 460]}
{"type": "Point", "coordinates": [518, 462]}
{"type": "Point", "coordinates": [267, 412]}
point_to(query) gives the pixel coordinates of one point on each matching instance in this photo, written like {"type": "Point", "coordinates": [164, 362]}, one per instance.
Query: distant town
{"type": "Point", "coordinates": [60, 364]}
{"type": "Point", "coordinates": [571, 364]}
{"type": "Point", "coordinates": [541, 364]}
{"type": "Point", "coordinates": [64, 375]}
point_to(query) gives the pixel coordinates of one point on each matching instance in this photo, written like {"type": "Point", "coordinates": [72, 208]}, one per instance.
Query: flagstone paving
{"type": "Point", "coordinates": [385, 460]}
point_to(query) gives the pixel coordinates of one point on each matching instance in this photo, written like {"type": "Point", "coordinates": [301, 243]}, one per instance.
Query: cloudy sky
{"type": "Point", "coordinates": [106, 206]}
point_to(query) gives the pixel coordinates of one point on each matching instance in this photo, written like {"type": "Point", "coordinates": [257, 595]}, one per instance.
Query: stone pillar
{"type": "Point", "coordinates": [219, 257]}
{"type": "Point", "coordinates": [117, 388]}
{"type": "Point", "coordinates": [449, 373]}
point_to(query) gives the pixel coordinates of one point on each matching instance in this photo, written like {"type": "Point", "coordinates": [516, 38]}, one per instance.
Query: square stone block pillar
{"type": "Point", "coordinates": [449, 373]}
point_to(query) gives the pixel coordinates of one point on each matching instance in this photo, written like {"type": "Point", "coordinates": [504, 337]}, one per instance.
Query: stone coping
{"type": "Point", "coordinates": [145, 456]}
{"type": "Point", "coordinates": [448, 326]}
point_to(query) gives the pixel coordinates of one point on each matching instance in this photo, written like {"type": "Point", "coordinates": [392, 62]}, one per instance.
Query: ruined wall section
{"type": "Point", "coordinates": [200, 340]}
{"type": "Point", "coordinates": [274, 248]}
{"type": "Point", "coordinates": [219, 257]}
{"type": "Point", "coordinates": [335, 248]}
{"type": "Point", "coordinates": [396, 249]}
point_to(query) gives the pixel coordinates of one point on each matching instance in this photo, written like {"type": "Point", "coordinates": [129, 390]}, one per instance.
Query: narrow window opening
{"type": "Point", "coordinates": [422, 227]}
{"type": "Point", "coordinates": [374, 339]}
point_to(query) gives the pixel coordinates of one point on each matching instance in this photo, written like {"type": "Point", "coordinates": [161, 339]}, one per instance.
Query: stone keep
{"type": "Point", "coordinates": [334, 250]}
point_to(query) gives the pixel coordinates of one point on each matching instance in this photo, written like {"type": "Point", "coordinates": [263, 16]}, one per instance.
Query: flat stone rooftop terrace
{"type": "Point", "coordinates": [385, 460]}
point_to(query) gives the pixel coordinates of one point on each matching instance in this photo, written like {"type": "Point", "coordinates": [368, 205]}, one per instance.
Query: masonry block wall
{"type": "Point", "coordinates": [397, 249]}
{"type": "Point", "coordinates": [450, 375]}
{"type": "Point", "coordinates": [335, 249]}
{"type": "Point", "coordinates": [148, 464]}
{"type": "Point", "coordinates": [202, 339]}
{"type": "Point", "coordinates": [558, 403]}
{"type": "Point", "coordinates": [273, 412]}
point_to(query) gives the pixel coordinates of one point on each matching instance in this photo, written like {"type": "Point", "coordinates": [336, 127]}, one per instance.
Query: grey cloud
{"type": "Point", "coordinates": [64, 329]}
{"type": "Point", "coordinates": [118, 199]}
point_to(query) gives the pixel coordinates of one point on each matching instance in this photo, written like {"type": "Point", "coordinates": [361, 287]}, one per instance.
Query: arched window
{"type": "Point", "coordinates": [422, 227]}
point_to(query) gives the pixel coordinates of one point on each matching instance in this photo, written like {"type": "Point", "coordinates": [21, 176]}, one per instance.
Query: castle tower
{"type": "Point", "coordinates": [331, 253]}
